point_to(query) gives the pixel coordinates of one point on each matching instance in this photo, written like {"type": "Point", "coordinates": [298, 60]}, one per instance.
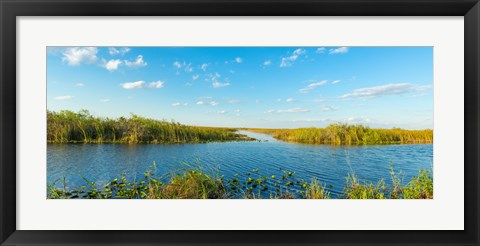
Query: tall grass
{"type": "Point", "coordinates": [82, 127]}
{"type": "Point", "coordinates": [344, 134]}
{"type": "Point", "coordinates": [197, 184]}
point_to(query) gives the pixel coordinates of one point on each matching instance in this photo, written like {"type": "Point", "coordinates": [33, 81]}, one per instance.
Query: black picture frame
{"type": "Point", "coordinates": [10, 9]}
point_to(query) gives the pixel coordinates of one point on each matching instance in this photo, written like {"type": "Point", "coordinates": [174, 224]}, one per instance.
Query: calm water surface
{"type": "Point", "coordinates": [330, 164]}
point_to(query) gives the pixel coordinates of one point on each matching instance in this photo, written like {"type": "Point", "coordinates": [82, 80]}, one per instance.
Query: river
{"type": "Point", "coordinates": [329, 164]}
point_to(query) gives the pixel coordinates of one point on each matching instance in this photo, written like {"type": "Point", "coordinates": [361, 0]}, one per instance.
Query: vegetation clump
{"type": "Point", "coordinates": [82, 127]}
{"type": "Point", "coordinates": [196, 184]}
{"type": "Point", "coordinates": [344, 134]}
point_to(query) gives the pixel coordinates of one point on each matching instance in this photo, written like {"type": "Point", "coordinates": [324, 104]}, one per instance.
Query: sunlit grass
{"type": "Point", "coordinates": [344, 134]}
{"type": "Point", "coordinates": [82, 127]}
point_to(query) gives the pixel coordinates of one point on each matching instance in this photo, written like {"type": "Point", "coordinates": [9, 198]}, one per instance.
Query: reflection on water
{"type": "Point", "coordinates": [330, 164]}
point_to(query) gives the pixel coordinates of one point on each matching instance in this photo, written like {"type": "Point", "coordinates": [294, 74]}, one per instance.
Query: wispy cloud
{"type": "Point", "coordinates": [336, 81]}
{"type": "Point", "coordinates": [217, 84]}
{"type": "Point", "coordinates": [312, 86]}
{"type": "Point", "coordinates": [112, 65]}
{"type": "Point", "coordinates": [222, 112]}
{"type": "Point", "coordinates": [234, 101]}
{"type": "Point", "coordinates": [157, 84]}
{"type": "Point", "coordinates": [61, 98]}
{"type": "Point", "coordinates": [142, 84]}
{"type": "Point", "coordinates": [133, 85]}
{"type": "Point", "coordinates": [204, 67]}
{"type": "Point", "coordinates": [177, 65]}
{"type": "Point", "coordinates": [188, 68]}
{"type": "Point", "coordinates": [358, 120]}
{"type": "Point", "coordinates": [137, 63]}
{"type": "Point", "coordinates": [118, 51]}
{"type": "Point", "coordinates": [238, 60]}
{"type": "Point", "coordinates": [289, 60]}
{"type": "Point", "coordinates": [77, 55]}
{"type": "Point", "coordinates": [385, 90]}
{"type": "Point", "coordinates": [79, 84]}
{"type": "Point", "coordinates": [320, 50]}
{"type": "Point", "coordinates": [195, 77]}
{"type": "Point", "coordinates": [289, 100]}
{"type": "Point", "coordinates": [267, 63]}
{"type": "Point", "coordinates": [213, 103]}
{"type": "Point", "coordinates": [200, 103]}
{"type": "Point", "coordinates": [340, 50]}
{"type": "Point", "coordinates": [327, 108]}
{"type": "Point", "coordinates": [290, 110]}
{"type": "Point", "coordinates": [177, 104]}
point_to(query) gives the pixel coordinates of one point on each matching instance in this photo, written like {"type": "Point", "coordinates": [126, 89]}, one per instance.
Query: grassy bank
{"type": "Point", "coordinates": [81, 127]}
{"type": "Point", "coordinates": [344, 134]}
{"type": "Point", "coordinates": [196, 184]}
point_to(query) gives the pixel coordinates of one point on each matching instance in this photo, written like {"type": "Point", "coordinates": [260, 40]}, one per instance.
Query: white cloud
{"type": "Point", "coordinates": [200, 102]}
{"type": "Point", "coordinates": [384, 90]}
{"type": "Point", "coordinates": [176, 104]}
{"type": "Point", "coordinates": [320, 50]}
{"type": "Point", "coordinates": [188, 68]}
{"type": "Point", "coordinates": [105, 100]}
{"type": "Point", "coordinates": [267, 62]}
{"type": "Point", "coordinates": [213, 103]}
{"type": "Point", "coordinates": [340, 50]}
{"type": "Point", "coordinates": [222, 112]}
{"type": "Point", "coordinates": [188, 84]}
{"type": "Point", "coordinates": [237, 110]}
{"type": "Point", "coordinates": [327, 108]}
{"type": "Point", "coordinates": [157, 84]}
{"type": "Point", "coordinates": [336, 81]}
{"type": "Point", "coordinates": [115, 51]}
{"type": "Point", "coordinates": [288, 61]}
{"type": "Point", "coordinates": [61, 98]}
{"type": "Point", "coordinates": [133, 85]}
{"type": "Point", "coordinates": [80, 85]}
{"type": "Point", "coordinates": [289, 100]}
{"type": "Point", "coordinates": [141, 84]}
{"type": "Point", "coordinates": [204, 67]}
{"type": "Point", "coordinates": [233, 101]}
{"type": "Point", "coordinates": [312, 86]}
{"type": "Point", "coordinates": [177, 64]}
{"type": "Point", "coordinates": [77, 55]}
{"type": "Point", "coordinates": [238, 60]}
{"type": "Point", "coordinates": [217, 84]}
{"type": "Point", "coordinates": [291, 110]}
{"type": "Point", "coordinates": [195, 77]}
{"type": "Point", "coordinates": [139, 62]}
{"type": "Point", "coordinates": [112, 65]}
{"type": "Point", "coordinates": [359, 120]}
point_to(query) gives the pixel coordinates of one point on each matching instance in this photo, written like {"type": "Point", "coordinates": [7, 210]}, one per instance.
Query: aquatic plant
{"type": "Point", "coordinates": [194, 183]}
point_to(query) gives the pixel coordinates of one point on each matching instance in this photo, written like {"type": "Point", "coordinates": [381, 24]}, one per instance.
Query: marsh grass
{"type": "Point", "coordinates": [195, 183]}
{"type": "Point", "coordinates": [344, 134]}
{"type": "Point", "coordinates": [81, 127]}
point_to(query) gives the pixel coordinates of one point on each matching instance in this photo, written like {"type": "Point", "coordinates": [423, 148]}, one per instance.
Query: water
{"type": "Point", "coordinates": [330, 164]}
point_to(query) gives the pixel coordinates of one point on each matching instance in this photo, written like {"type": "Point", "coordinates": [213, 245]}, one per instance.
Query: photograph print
{"type": "Point", "coordinates": [239, 122]}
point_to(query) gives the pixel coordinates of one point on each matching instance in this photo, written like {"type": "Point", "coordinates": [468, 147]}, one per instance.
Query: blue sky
{"type": "Point", "coordinates": [272, 87]}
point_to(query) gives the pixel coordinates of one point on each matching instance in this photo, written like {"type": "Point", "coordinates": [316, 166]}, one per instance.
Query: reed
{"type": "Point", "coordinates": [344, 134]}
{"type": "Point", "coordinates": [82, 127]}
